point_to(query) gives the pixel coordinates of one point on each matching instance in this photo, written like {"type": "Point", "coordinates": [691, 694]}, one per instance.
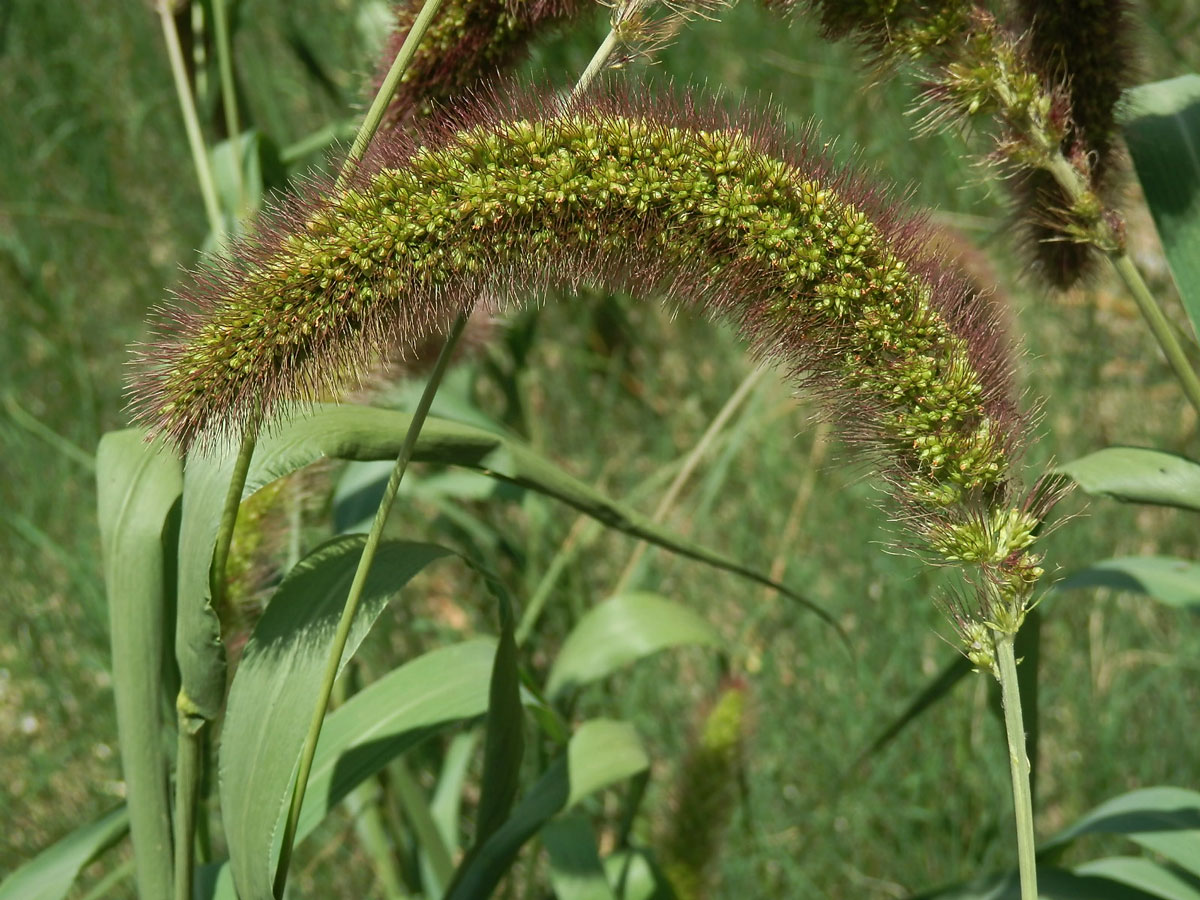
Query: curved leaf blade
{"type": "Point", "coordinates": [1164, 820]}
{"type": "Point", "coordinates": [602, 752]}
{"type": "Point", "coordinates": [392, 715]}
{"type": "Point", "coordinates": [365, 433]}
{"type": "Point", "coordinates": [620, 631]}
{"type": "Point", "coordinates": [270, 701]}
{"type": "Point", "coordinates": [1138, 475]}
{"type": "Point", "coordinates": [576, 872]}
{"type": "Point", "coordinates": [50, 874]}
{"type": "Point", "coordinates": [1144, 874]}
{"type": "Point", "coordinates": [139, 485]}
{"type": "Point", "coordinates": [1161, 122]}
{"type": "Point", "coordinates": [1175, 582]}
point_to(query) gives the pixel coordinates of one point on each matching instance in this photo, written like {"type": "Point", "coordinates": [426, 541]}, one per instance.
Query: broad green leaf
{"type": "Point", "coordinates": [392, 715]}
{"type": "Point", "coordinates": [215, 882]}
{"type": "Point", "coordinates": [1138, 475]}
{"type": "Point", "coordinates": [50, 874]}
{"type": "Point", "coordinates": [1175, 582]}
{"type": "Point", "coordinates": [1145, 874]}
{"type": "Point", "coordinates": [634, 876]}
{"type": "Point", "coordinates": [600, 753]}
{"type": "Point", "coordinates": [198, 648]}
{"type": "Point", "coordinates": [139, 485]}
{"type": "Point", "coordinates": [620, 631]}
{"type": "Point", "coordinates": [1164, 820]}
{"type": "Point", "coordinates": [1161, 122]}
{"type": "Point", "coordinates": [576, 872]}
{"type": "Point", "coordinates": [1053, 884]}
{"type": "Point", "coordinates": [370, 433]}
{"type": "Point", "coordinates": [280, 674]}
{"type": "Point", "coordinates": [504, 742]}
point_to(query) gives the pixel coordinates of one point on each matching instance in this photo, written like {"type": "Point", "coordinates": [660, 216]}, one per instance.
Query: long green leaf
{"type": "Point", "coordinates": [1053, 884]}
{"type": "Point", "coordinates": [1164, 820]}
{"type": "Point", "coordinates": [576, 872]}
{"type": "Point", "coordinates": [1162, 130]}
{"type": "Point", "coordinates": [1175, 582]}
{"type": "Point", "coordinates": [620, 631]}
{"type": "Point", "coordinates": [392, 715]}
{"type": "Point", "coordinates": [139, 485]}
{"type": "Point", "coordinates": [1138, 475]}
{"type": "Point", "coordinates": [504, 744]}
{"type": "Point", "coordinates": [270, 701]}
{"type": "Point", "coordinates": [634, 876]}
{"type": "Point", "coordinates": [445, 808]}
{"type": "Point", "coordinates": [50, 874]}
{"type": "Point", "coordinates": [368, 433]}
{"type": "Point", "coordinates": [1144, 874]}
{"type": "Point", "coordinates": [600, 753]}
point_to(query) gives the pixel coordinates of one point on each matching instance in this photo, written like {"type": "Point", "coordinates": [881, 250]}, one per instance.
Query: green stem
{"type": "Point", "coordinates": [191, 122]}
{"type": "Point", "coordinates": [1076, 189]}
{"type": "Point", "coordinates": [229, 97]}
{"type": "Point", "coordinates": [1160, 327]}
{"type": "Point", "coordinates": [187, 791]}
{"type": "Point", "coordinates": [356, 588]}
{"type": "Point", "coordinates": [1014, 726]}
{"type": "Point", "coordinates": [229, 513]}
{"type": "Point", "coordinates": [392, 81]}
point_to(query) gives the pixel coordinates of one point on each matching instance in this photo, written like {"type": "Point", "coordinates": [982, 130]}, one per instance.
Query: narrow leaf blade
{"type": "Point", "coordinates": [50, 874]}
{"type": "Point", "coordinates": [620, 631]}
{"type": "Point", "coordinates": [1175, 582]}
{"type": "Point", "coordinates": [1161, 122]}
{"type": "Point", "coordinates": [139, 485]}
{"type": "Point", "coordinates": [271, 699]}
{"type": "Point", "coordinates": [1138, 475]}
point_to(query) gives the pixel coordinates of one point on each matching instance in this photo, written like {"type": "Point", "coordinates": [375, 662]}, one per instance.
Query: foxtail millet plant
{"type": "Point", "coordinates": [822, 272]}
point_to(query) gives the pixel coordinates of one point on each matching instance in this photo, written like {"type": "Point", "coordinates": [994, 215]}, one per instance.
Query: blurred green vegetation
{"type": "Point", "coordinates": [99, 209]}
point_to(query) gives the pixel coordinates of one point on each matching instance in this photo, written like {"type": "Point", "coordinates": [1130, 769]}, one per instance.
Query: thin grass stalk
{"type": "Point", "coordinates": [229, 98]}
{"type": "Point", "coordinates": [697, 453]}
{"type": "Point", "coordinates": [338, 645]}
{"type": "Point", "coordinates": [383, 96]}
{"type": "Point", "coordinates": [188, 753]}
{"type": "Point", "coordinates": [1018, 757]}
{"type": "Point", "coordinates": [191, 122]}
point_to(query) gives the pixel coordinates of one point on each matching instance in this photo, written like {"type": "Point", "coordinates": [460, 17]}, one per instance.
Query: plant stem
{"type": "Point", "coordinates": [229, 98]}
{"type": "Point", "coordinates": [187, 790]}
{"type": "Point", "coordinates": [191, 122]}
{"type": "Point", "coordinates": [1074, 186]}
{"type": "Point", "coordinates": [1014, 726]}
{"type": "Point", "coordinates": [715, 427]}
{"type": "Point", "coordinates": [229, 513]}
{"type": "Point", "coordinates": [356, 588]}
{"type": "Point", "coordinates": [392, 81]}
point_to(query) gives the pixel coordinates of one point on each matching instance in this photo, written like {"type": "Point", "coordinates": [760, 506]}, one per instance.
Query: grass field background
{"type": "Point", "coordinates": [99, 210]}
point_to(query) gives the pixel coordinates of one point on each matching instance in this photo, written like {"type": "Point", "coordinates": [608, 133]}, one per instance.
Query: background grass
{"type": "Point", "coordinates": [98, 209]}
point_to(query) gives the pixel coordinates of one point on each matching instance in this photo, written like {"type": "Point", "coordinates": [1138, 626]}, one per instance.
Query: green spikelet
{"type": "Point", "coordinates": [820, 271]}
{"type": "Point", "coordinates": [705, 797]}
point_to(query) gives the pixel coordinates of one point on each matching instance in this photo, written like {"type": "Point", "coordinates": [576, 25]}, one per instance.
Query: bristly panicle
{"type": "Point", "coordinates": [890, 28]}
{"type": "Point", "coordinates": [1081, 48]}
{"type": "Point", "coordinates": [821, 271]}
{"type": "Point", "coordinates": [468, 45]}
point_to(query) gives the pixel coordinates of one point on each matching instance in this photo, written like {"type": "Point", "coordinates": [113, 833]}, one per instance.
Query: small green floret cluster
{"type": "Point", "coordinates": [704, 216]}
